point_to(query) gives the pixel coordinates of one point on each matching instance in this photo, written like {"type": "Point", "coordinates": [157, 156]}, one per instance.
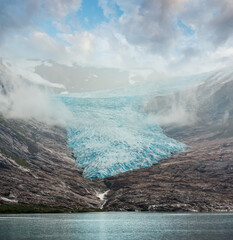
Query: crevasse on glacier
{"type": "Point", "coordinates": [112, 134]}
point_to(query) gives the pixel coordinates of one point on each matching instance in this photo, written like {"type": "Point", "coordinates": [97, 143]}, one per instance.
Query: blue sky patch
{"type": "Point", "coordinates": [186, 30]}
{"type": "Point", "coordinates": [90, 15]}
{"type": "Point", "coordinates": [47, 26]}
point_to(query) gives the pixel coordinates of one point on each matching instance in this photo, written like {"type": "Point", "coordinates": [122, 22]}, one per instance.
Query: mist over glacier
{"type": "Point", "coordinates": [109, 131]}
{"type": "Point", "coordinates": [118, 130]}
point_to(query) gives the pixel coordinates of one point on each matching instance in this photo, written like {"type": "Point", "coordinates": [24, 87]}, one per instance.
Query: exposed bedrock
{"type": "Point", "coordinates": [37, 168]}
{"type": "Point", "coordinates": [198, 179]}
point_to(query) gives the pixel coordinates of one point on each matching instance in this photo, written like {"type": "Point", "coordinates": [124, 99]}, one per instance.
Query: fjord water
{"type": "Point", "coordinates": [115, 226]}
{"type": "Point", "coordinates": [111, 133]}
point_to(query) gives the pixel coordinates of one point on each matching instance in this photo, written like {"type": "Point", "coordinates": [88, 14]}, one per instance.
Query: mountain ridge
{"type": "Point", "coordinates": [38, 172]}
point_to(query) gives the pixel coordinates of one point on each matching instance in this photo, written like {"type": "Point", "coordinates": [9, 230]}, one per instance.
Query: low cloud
{"type": "Point", "coordinates": [177, 109]}
{"type": "Point", "coordinates": [22, 99]}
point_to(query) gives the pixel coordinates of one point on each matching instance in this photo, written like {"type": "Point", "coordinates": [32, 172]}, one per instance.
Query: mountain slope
{"type": "Point", "coordinates": [198, 179]}
{"type": "Point", "coordinates": [38, 172]}
{"type": "Point", "coordinates": [37, 169]}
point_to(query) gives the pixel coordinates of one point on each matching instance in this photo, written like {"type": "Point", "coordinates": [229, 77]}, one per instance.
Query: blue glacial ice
{"type": "Point", "coordinates": [111, 133]}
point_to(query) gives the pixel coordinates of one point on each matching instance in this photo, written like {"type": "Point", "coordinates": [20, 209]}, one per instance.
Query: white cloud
{"type": "Point", "coordinates": [212, 19]}
{"type": "Point", "coordinates": [19, 14]}
{"type": "Point", "coordinates": [109, 8]}
{"type": "Point", "coordinates": [151, 24]}
{"type": "Point", "coordinates": [25, 99]}
{"type": "Point", "coordinates": [60, 8]}
{"type": "Point", "coordinates": [146, 35]}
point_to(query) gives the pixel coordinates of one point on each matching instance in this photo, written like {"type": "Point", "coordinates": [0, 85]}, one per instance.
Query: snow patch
{"type": "Point", "coordinates": [65, 92]}
{"type": "Point", "coordinates": [8, 200]}
{"type": "Point", "coordinates": [101, 196]}
{"type": "Point", "coordinates": [26, 69]}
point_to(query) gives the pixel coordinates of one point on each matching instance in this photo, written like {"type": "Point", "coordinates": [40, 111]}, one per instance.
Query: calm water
{"type": "Point", "coordinates": [117, 226]}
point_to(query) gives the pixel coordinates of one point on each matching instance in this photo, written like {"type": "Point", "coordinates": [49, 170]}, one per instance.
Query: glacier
{"type": "Point", "coordinates": [111, 133]}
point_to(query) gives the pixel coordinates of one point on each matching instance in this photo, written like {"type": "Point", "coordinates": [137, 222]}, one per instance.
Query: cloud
{"type": "Point", "coordinates": [15, 15]}
{"type": "Point", "coordinates": [175, 35]}
{"type": "Point", "coordinates": [22, 99]}
{"type": "Point", "coordinates": [161, 36]}
{"type": "Point", "coordinates": [109, 8]}
{"type": "Point", "coordinates": [19, 14]}
{"type": "Point", "coordinates": [37, 45]}
{"type": "Point", "coordinates": [152, 24]}
{"type": "Point", "coordinates": [212, 19]}
{"type": "Point", "coordinates": [61, 8]}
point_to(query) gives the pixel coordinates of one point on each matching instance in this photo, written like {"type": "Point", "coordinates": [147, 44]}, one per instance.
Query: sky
{"type": "Point", "coordinates": [168, 36]}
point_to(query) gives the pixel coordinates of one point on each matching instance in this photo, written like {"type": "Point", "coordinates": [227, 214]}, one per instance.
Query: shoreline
{"type": "Point", "coordinates": [42, 209]}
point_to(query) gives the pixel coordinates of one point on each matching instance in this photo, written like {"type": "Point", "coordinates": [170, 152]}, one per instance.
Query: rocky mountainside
{"type": "Point", "coordinates": [37, 170]}
{"type": "Point", "coordinates": [205, 108]}
{"type": "Point", "coordinates": [38, 173]}
{"type": "Point", "coordinates": [198, 179]}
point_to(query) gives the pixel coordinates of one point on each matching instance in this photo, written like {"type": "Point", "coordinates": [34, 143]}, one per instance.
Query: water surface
{"type": "Point", "coordinates": [114, 226]}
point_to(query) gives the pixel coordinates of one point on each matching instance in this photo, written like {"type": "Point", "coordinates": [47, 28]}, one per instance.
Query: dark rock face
{"type": "Point", "coordinates": [198, 179]}
{"type": "Point", "coordinates": [208, 104]}
{"type": "Point", "coordinates": [37, 168]}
